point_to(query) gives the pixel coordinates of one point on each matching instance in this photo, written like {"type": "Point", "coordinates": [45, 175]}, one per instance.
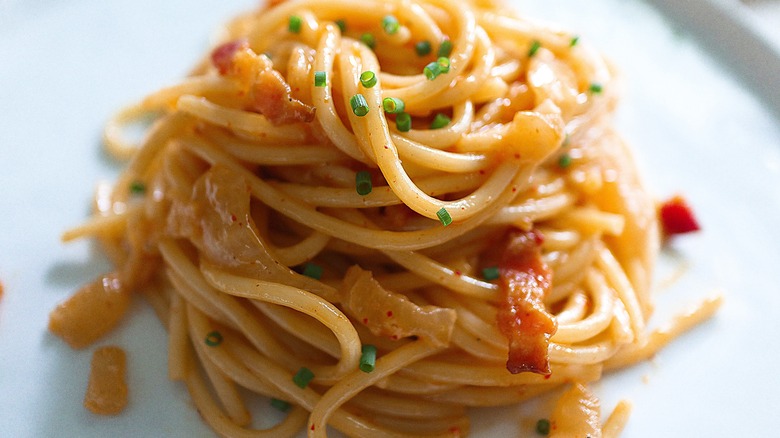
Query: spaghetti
{"type": "Point", "coordinates": [378, 214]}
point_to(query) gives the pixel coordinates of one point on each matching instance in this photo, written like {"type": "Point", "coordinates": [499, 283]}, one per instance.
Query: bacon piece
{"type": "Point", "coordinates": [222, 56]}
{"type": "Point", "coordinates": [272, 97]}
{"type": "Point", "coordinates": [267, 91]}
{"type": "Point", "coordinates": [524, 281]}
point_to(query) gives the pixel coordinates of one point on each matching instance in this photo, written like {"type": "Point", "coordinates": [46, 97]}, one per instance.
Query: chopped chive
{"type": "Point", "coordinates": [303, 377]}
{"type": "Point", "coordinates": [213, 338]}
{"type": "Point", "coordinates": [280, 404]}
{"type": "Point", "coordinates": [312, 270]}
{"type": "Point", "coordinates": [444, 216]}
{"type": "Point", "coordinates": [403, 121]}
{"type": "Point", "coordinates": [137, 187]}
{"type": "Point", "coordinates": [368, 39]}
{"type": "Point", "coordinates": [535, 45]}
{"type": "Point", "coordinates": [342, 24]}
{"type": "Point", "coordinates": [319, 78]}
{"type": "Point", "coordinates": [490, 273]}
{"type": "Point", "coordinates": [390, 24]}
{"type": "Point", "coordinates": [363, 184]}
{"type": "Point", "coordinates": [423, 48]}
{"type": "Point", "coordinates": [441, 120]}
{"type": "Point", "coordinates": [564, 161]}
{"type": "Point", "coordinates": [444, 64]}
{"type": "Point", "coordinates": [359, 105]}
{"type": "Point", "coordinates": [393, 105]}
{"type": "Point", "coordinates": [432, 70]}
{"type": "Point", "coordinates": [368, 358]}
{"type": "Point", "coordinates": [543, 426]}
{"type": "Point", "coordinates": [595, 88]}
{"type": "Point", "coordinates": [445, 49]}
{"type": "Point", "coordinates": [294, 24]}
{"type": "Point", "coordinates": [368, 79]}
{"type": "Point", "coordinates": [574, 40]}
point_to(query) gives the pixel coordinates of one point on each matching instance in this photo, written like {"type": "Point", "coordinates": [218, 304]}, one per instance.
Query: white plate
{"type": "Point", "coordinates": [696, 127]}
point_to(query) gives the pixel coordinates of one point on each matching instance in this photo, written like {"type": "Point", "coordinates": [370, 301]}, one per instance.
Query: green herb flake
{"type": "Point", "coordinates": [312, 270]}
{"type": "Point", "coordinates": [359, 105]}
{"type": "Point", "coordinates": [390, 24]}
{"type": "Point", "coordinates": [543, 426]}
{"type": "Point", "coordinates": [368, 79]}
{"type": "Point", "coordinates": [294, 24]}
{"type": "Point", "coordinates": [363, 184]}
{"type": "Point", "coordinates": [368, 358]}
{"type": "Point", "coordinates": [490, 273]}
{"type": "Point", "coordinates": [319, 79]}
{"type": "Point", "coordinates": [213, 339]}
{"type": "Point", "coordinates": [444, 216]}
{"type": "Point", "coordinates": [403, 122]}
{"type": "Point", "coordinates": [137, 188]}
{"type": "Point", "coordinates": [595, 88]}
{"type": "Point", "coordinates": [280, 404]}
{"type": "Point", "coordinates": [439, 121]}
{"type": "Point", "coordinates": [423, 48]}
{"type": "Point", "coordinates": [368, 39]}
{"type": "Point", "coordinates": [342, 24]}
{"type": "Point", "coordinates": [393, 105]}
{"type": "Point", "coordinates": [535, 46]}
{"type": "Point", "coordinates": [445, 49]}
{"type": "Point", "coordinates": [574, 40]}
{"type": "Point", "coordinates": [564, 161]}
{"type": "Point", "coordinates": [303, 377]}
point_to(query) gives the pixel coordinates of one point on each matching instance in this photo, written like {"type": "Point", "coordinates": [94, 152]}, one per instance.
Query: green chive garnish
{"type": "Point", "coordinates": [432, 70]}
{"type": "Point", "coordinates": [390, 24]}
{"type": "Point", "coordinates": [319, 78]}
{"type": "Point", "coordinates": [213, 338]}
{"type": "Point", "coordinates": [535, 45]}
{"type": "Point", "coordinates": [137, 188]}
{"type": "Point", "coordinates": [393, 105]}
{"type": "Point", "coordinates": [445, 49]}
{"type": "Point", "coordinates": [490, 273]}
{"type": "Point", "coordinates": [280, 404]}
{"type": "Point", "coordinates": [423, 48]}
{"type": "Point", "coordinates": [359, 105]}
{"type": "Point", "coordinates": [303, 377]}
{"type": "Point", "coordinates": [368, 358]}
{"type": "Point", "coordinates": [543, 426]}
{"type": "Point", "coordinates": [342, 24]}
{"type": "Point", "coordinates": [368, 40]}
{"type": "Point", "coordinates": [574, 40]}
{"type": "Point", "coordinates": [440, 121]}
{"type": "Point", "coordinates": [444, 64]}
{"type": "Point", "coordinates": [368, 79]}
{"type": "Point", "coordinates": [403, 121]}
{"type": "Point", "coordinates": [595, 88]}
{"type": "Point", "coordinates": [564, 161]}
{"type": "Point", "coordinates": [312, 270]}
{"type": "Point", "coordinates": [363, 184]}
{"type": "Point", "coordinates": [444, 216]}
{"type": "Point", "coordinates": [294, 24]}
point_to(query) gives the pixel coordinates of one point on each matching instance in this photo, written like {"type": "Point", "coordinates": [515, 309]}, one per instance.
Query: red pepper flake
{"type": "Point", "coordinates": [233, 217]}
{"type": "Point", "coordinates": [677, 217]}
{"type": "Point", "coordinates": [312, 427]}
{"type": "Point", "coordinates": [389, 313]}
{"type": "Point", "coordinates": [458, 273]}
{"type": "Point", "coordinates": [455, 431]}
{"type": "Point", "coordinates": [365, 321]}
